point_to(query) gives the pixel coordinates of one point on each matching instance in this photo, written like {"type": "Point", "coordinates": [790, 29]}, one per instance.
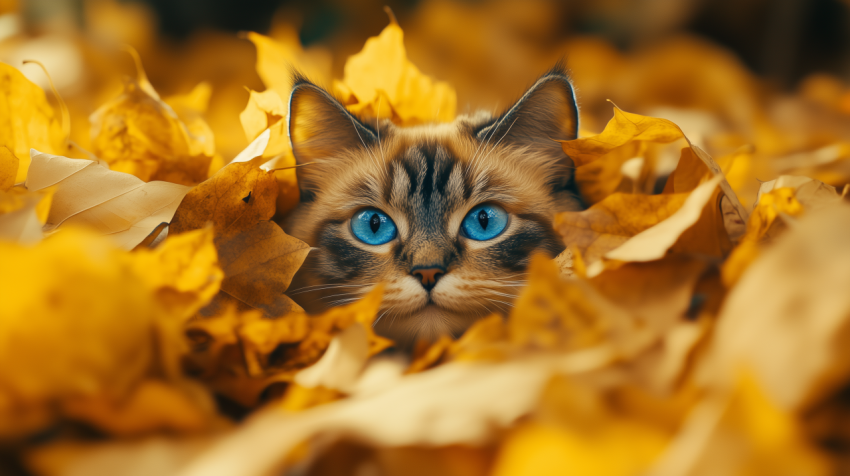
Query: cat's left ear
{"type": "Point", "coordinates": [546, 113]}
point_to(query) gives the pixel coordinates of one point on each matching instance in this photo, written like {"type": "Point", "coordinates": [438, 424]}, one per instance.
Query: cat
{"type": "Point", "coordinates": [446, 215]}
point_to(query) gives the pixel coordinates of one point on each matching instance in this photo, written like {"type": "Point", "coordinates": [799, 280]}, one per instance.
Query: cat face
{"type": "Point", "coordinates": [445, 215]}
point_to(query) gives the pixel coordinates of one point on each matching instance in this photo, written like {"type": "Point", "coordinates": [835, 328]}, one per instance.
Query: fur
{"type": "Point", "coordinates": [427, 178]}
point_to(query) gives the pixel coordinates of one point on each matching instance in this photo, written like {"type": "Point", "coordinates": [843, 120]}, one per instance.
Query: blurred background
{"type": "Point", "coordinates": [772, 73]}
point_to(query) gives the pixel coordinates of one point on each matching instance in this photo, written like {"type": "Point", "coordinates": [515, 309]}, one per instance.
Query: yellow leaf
{"type": "Point", "coordinates": [26, 119]}
{"type": "Point", "coordinates": [653, 243]}
{"type": "Point", "coordinates": [551, 313]}
{"type": "Point", "coordinates": [742, 433]}
{"type": "Point", "coordinates": [611, 222]}
{"type": "Point", "coordinates": [116, 204]}
{"type": "Point", "coordinates": [381, 82]}
{"type": "Point", "coordinates": [262, 111]}
{"type": "Point", "coordinates": [786, 196]}
{"type": "Point", "coordinates": [139, 134]}
{"type": "Point", "coordinates": [266, 110]}
{"type": "Point", "coordinates": [187, 266]}
{"type": "Point", "coordinates": [244, 356]}
{"type": "Point", "coordinates": [276, 57]}
{"type": "Point", "coordinates": [59, 321]}
{"type": "Point", "coordinates": [8, 168]}
{"type": "Point", "coordinates": [153, 406]}
{"type": "Point", "coordinates": [190, 108]}
{"type": "Point", "coordinates": [792, 297]}
{"type": "Point", "coordinates": [623, 128]}
{"type": "Point", "coordinates": [589, 436]}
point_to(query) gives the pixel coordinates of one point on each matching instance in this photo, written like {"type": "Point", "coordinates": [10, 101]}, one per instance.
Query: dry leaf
{"type": "Point", "coordinates": [590, 436]}
{"type": "Point", "coordinates": [381, 82]}
{"type": "Point", "coordinates": [276, 57]}
{"type": "Point", "coordinates": [26, 119]}
{"type": "Point", "coordinates": [611, 222]}
{"type": "Point", "coordinates": [61, 331]}
{"type": "Point", "coordinates": [23, 213]}
{"type": "Point", "coordinates": [793, 299]}
{"type": "Point", "coordinates": [743, 432]}
{"type": "Point", "coordinates": [235, 199]}
{"type": "Point", "coordinates": [8, 168]}
{"type": "Point", "coordinates": [242, 355]}
{"type": "Point", "coordinates": [266, 111]}
{"type": "Point", "coordinates": [653, 243]}
{"type": "Point", "coordinates": [259, 264]}
{"type": "Point", "coordinates": [139, 134]}
{"type": "Point", "coordinates": [113, 203]}
{"type": "Point", "coordinates": [623, 128]}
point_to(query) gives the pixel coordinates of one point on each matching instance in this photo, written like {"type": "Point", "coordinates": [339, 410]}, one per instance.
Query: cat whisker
{"type": "Point", "coordinates": [325, 287]}
{"type": "Point", "coordinates": [510, 305]}
{"type": "Point", "coordinates": [497, 293]}
{"type": "Point", "coordinates": [381, 316]}
{"type": "Point", "coordinates": [323, 298]}
{"type": "Point", "coordinates": [343, 301]}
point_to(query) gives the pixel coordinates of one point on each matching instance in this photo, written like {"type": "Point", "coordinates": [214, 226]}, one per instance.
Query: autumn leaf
{"type": "Point", "coordinates": [768, 439]}
{"type": "Point", "coordinates": [266, 110]}
{"type": "Point", "coordinates": [139, 134]}
{"type": "Point", "coordinates": [23, 213]}
{"type": "Point", "coordinates": [70, 351]}
{"type": "Point", "coordinates": [276, 57]}
{"type": "Point", "coordinates": [652, 243]}
{"type": "Point", "coordinates": [623, 128]}
{"type": "Point", "coordinates": [785, 197]}
{"type": "Point", "coordinates": [8, 168]}
{"type": "Point", "coordinates": [235, 199]}
{"type": "Point", "coordinates": [116, 204]}
{"type": "Point", "coordinates": [381, 82]}
{"type": "Point", "coordinates": [792, 297]}
{"type": "Point", "coordinates": [27, 121]}
{"type": "Point", "coordinates": [611, 222]}
{"type": "Point", "coordinates": [259, 264]}
{"type": "Point", "coordinates": [580, 432]}
{"type": "Point", "coordinates": [241, 355]}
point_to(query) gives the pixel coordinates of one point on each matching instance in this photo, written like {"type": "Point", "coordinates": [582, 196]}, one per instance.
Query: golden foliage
{"type": "Point", "coordinates": [27, 121]}
{"type": "Point", "coordinates": [678, 333]}
{"type": "Point", "coordinates": [381, 82]}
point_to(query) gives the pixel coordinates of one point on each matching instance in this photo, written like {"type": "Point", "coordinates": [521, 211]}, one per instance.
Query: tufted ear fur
{"type": "Point", "coordinates": [321, 128]}
{"type": "Point", "coordinates": [546, 113]}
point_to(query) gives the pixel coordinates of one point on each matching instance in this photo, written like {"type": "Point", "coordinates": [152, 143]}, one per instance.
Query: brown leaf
{"type": "Point", "coordinates": [235, 199]}
{"type": "Point", "coordinates": [259, 264]}
{"type": "Point", "coordinates": [611, 222]}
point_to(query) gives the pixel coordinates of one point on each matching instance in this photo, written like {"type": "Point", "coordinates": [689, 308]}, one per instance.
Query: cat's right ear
{"type": "Point", "coordinates": [320, 127]}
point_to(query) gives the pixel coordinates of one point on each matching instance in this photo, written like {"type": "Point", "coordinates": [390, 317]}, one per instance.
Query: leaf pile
{"type": "Point", "coordinates": [694, 325]}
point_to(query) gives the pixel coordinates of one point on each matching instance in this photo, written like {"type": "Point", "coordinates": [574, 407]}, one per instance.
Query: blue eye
{"type": "Point", "coordinates": [373, 227]}
{"type": "Point", "coordinates": [484, 222]}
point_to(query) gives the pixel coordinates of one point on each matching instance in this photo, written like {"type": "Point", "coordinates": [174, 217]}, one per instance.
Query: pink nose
{"type": "Point", "coordinates": [428, 276]}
